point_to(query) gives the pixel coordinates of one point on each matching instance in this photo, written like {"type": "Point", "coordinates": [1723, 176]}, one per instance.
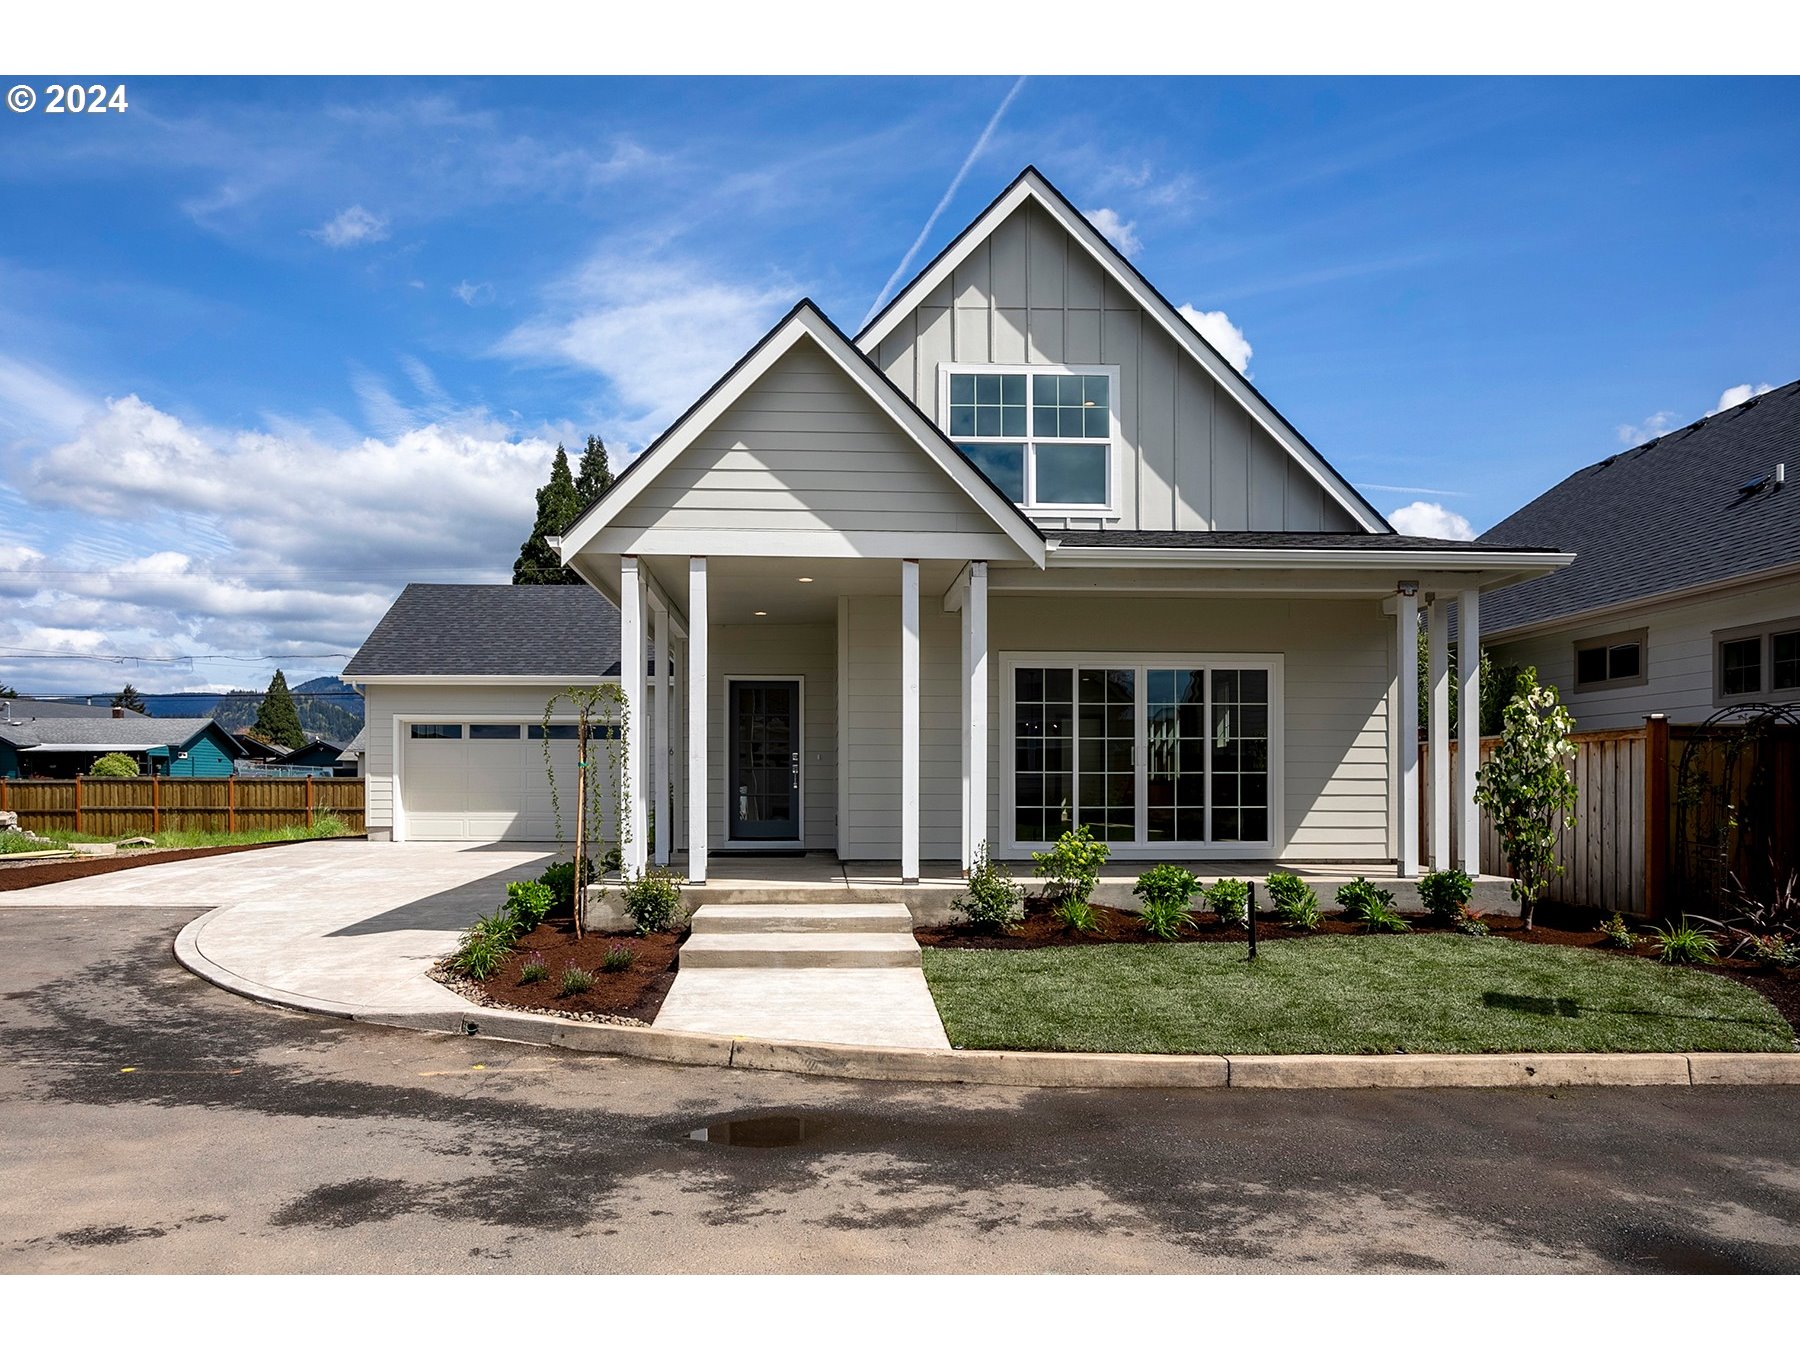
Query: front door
{"type": "Point", "coordinates": [764, 758]}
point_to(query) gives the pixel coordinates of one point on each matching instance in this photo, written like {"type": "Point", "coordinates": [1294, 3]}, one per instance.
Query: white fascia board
{"type": "Point", "coordinates": [1514, 565]}
{"type": "Point", "coordinates": [523, 680]}
{"type": "Point", "coordinates": [806, 321]}
{"type": "Point", "coordinates": [1177, 327]}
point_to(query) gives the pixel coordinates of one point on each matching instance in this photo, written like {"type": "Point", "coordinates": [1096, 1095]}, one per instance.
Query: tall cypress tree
{"type": "Point", "coordinates": [595, 475]}
{"type": "Point", "coordinates": [129, 699]}
{"type": "Point", "coordinates": [557, 506]}
{"type": "Point", "coordinates": [278, 720]}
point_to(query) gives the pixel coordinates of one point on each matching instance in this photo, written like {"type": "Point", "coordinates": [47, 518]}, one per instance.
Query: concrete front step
{"type": "Point", "coordinates": [811, 918]}
{"type": "Point", "coordinates": [798, 951]}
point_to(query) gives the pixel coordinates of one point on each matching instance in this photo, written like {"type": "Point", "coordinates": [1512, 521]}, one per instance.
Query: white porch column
{"type": "Point", "coordinates": [964, 704]}
{"type": "Point", "coordinates": [975, 642]}
{"type": "Point", "coordinates": [696, 711]}
{"type": "Point", "coordinates": [661, 812]}
{"type": "Point", "coordinates": [1438, 620]}
{"type": "Point", "coordinates": [909, 721]}
{"type": "Point", "coordinates": [1406, 655]}
{"type": "Point", "coordinates": [1468, 730]}
{"type": "Point", "coordinates": [631, 679]}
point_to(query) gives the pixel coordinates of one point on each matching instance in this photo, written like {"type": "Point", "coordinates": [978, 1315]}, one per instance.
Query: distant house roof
{"type": "Point", "coordinates": [1666, 516]}
{"type": "Point", "coordinates": [358, 744]}
{"type": "Point", "coordinates": [506, 631]}
{"type": "Point", "coordinates": [316, 751]}
{"type": "Point", "coordinates": [104, 734]}
{"type": "Point", "coordinates": [258, 748]}
{"type": "Point", "coordinates": [1230, 539]}
{"type": "Point", "coordinates": [22, 708]}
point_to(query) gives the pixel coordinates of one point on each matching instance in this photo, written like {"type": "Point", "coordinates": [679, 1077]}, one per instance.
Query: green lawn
{"type": "Point", "coordinates": [325, 825]}
{"type": "Point", "coordinates": [18, 843]}
{"type": "Point", "coordinates": [1344, 995]}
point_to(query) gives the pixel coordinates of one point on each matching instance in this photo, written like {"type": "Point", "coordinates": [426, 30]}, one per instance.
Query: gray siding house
{"type": "Point", "coordinates": [1685, 599]}
{"type": "Point", "coordinates": [1025, 554]}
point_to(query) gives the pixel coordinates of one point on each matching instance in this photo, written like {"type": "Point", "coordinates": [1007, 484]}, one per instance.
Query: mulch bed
{"type": "Point", "coordinates": [19, 876]}
{"type": "Point", "coordinates": [635, 993]}
{"type": "Point", "coordinates": [1555, 926]}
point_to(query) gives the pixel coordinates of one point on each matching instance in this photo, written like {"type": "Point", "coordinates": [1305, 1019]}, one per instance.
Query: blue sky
{"type": "Point", "coordinates": [268, 349]}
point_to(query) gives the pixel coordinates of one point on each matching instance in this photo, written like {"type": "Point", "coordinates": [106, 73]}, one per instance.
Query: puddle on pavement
{"type": "Point", "coordinates": [761, 1131]}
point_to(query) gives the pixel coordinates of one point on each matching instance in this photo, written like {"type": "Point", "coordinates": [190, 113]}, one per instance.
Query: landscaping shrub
{"type": "Point", "coordinates": [1775, 952]}
{"type": "Point", "coordinates": [1165, 914]}
{"type": "Point", "coordinates": [485, 946]}
{"type": "Point", "coordinates": [1615, 932]}
{"type": "Point", "coordinates": [1167, 881]}
{"type": "Point", "coordinates": [1764, 926]}
{"type": "Point", "coordinates": [113, 765]}
{"type": "Point", "coordinates": [1528, 788]}
{"type": "Point", "coordinates": [1469, 923]}
{"type": "Point", "coordinates": [528, 902]}
{"type": "Point", "coordinates": [991, 900]}
{"type": "Point", "coordinates": [560, 878]}
{"type": "Point", "coordinates": [1229, 898]}
{"type": "Point", "coordinates": [618, 957]}
{"type": "Point", "coordinates": [535, 970]}
{"type": "Point", "coordinates": [1296, 905]}
{"type": "Point", "coordinates": [1076, 916]}
{"type": "Point", "coordinates": [1072, 864]}
{"type": "Point", "coordinates": [654, 900]}
{"type": "Point", "coordinates": [1446, 894]}
{"type": "Point", "coordinates": [1357, 895]}
{"type": "Point", "coordinates": [575, 980]}
{"type": "Point", "coordinates": [1378, 916]}
{"type": "Point", "coordinates": [1682, 944]}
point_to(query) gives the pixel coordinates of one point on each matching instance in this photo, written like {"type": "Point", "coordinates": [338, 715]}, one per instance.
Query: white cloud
{"type": "Point", "coordinates": [472, 292]}
{"type": "Point", "coordinates": [659, 332]}
{"type": "Point", "coordinates": [1636, 433]}
{"type": "Point", "coordinates": [1122, 233]}
{"type": "Point", "coordinates": [1431, 520]}
{"type": "Point", "coordinates": [352, 226]}
{"type": "Point", "coordinates": [35, 400]}
{"type": "Point", "coordinates": [1739, 393]}
{"type": "Point", "coordinates": [1217, 328]}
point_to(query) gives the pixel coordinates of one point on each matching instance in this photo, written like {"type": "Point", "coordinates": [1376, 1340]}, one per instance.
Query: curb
{"type": "Point", "coordinates": [1028, 1068]}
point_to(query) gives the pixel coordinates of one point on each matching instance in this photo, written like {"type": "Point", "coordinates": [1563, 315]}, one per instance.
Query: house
{"type": "Point", "coordinates": [62, 747]}
{"type": "Point", "coordinates": [24, 709]}
{"type": "Point", "coordinates": [1685, 599]}
{"type": "Point", "coordinates": [1024, 554]}
{"type": "Point", "coordinates": [350, 758]}
{"type": "Point", "coordinates": [318, 755]}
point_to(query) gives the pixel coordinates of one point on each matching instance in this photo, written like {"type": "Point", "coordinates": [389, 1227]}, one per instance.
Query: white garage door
{"type": "Point", "coordinates": [485, 781]}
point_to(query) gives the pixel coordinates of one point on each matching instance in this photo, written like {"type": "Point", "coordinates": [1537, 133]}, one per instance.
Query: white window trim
{"type": "Point", "coordinates": [1766, 693]}
{"type": "Point", "coordinates": [1114, 447]}
{"type": "Point", "coordinates": [1273, 662]}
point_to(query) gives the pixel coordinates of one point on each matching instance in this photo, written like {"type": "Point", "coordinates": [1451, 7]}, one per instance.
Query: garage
{"type": "Point", "coordinates": [486, 781]}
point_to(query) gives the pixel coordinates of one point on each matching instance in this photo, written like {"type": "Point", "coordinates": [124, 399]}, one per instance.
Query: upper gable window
{"type": "Point", "coordinates": [1046, 435]}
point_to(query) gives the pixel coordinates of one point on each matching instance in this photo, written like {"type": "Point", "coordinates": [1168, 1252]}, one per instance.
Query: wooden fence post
{"type": "Point", "coordinates": [231, 804]}
{"type": "Point", "coordinates": [155, 806]}
{"type": "Point", "coordinates": [5, 796]}
{"type": "Point", "coordinates": [1656, 812]}
{"type": "Point", "coordinates": [77, 803]}
{"type": "Point", "coordinates": [309, 803]}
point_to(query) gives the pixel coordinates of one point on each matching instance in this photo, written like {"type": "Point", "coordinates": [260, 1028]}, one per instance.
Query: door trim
{"type": "Point", "coordinates": [761, 845]}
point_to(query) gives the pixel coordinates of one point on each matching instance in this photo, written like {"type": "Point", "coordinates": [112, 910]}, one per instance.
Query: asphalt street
{"type": "Point", "coordinates": [150, 1122]}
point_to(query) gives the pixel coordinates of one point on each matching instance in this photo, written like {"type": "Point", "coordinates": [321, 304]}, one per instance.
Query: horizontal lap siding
{"type": "Point", "coordinates": [806, 650]}
{"type": "Point", "coordinates": [1193, 457]}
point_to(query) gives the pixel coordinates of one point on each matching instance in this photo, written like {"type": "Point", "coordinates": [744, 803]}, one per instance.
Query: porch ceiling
{"type": "Point", "coordinates": [738, 587]}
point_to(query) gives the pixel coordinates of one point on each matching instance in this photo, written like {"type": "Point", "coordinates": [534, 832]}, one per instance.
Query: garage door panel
{"type": "Point", "coordinates": [481, 790]}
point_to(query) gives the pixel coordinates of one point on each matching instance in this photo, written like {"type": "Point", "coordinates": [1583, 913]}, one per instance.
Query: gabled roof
{"type": "Point", "coordinates": [103, 734]}
{"type": "Point", "coordinates": [1667, 516]}
{"type": "Point", "coordinates": [806, 320]}
{"type": "Point", "coordinates": [1031, 185]}
{"type": "Point", "coordinates": [507, 632]}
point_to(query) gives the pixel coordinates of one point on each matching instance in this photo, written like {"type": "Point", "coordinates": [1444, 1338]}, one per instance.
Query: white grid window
{"type": "Point", "coordinates": [1045, 435]}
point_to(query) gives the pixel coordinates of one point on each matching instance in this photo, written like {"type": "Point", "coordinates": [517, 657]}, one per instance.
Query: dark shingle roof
{"type": "Point", "coordinates": [1663, 517]}
{"type": "Point", "coordinates": [553, 631]}
{"type": "Point", "coordinates": [1347, 540]}
{"type": "Point", "coordinates": [104, 733]}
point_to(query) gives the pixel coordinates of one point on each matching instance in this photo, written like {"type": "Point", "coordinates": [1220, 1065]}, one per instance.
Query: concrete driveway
{"type": "Point", "coordinates": [338, 924]}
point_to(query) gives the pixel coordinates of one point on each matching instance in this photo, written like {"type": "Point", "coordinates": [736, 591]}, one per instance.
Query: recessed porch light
{"type": "Point", "coordinates": [805, 579]}
{"type": "Point", "coordinates": [762, 613]}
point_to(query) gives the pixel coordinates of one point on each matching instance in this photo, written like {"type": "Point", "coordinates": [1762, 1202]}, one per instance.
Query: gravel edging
{"type": "Point", "coordinates": [463, 987]}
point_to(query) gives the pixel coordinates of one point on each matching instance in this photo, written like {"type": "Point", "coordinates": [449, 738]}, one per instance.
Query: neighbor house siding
{"type": "Point", "coordinates": [1193, 456]}
{"type": "Point", "coordinates": [1678, 654]}
{"type": "Point", "coordinates": [208, 757]}
{"type": "Point", "coordinates": [805, 450]}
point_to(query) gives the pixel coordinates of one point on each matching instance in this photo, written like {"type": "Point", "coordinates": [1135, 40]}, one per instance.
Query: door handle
{"type": "Point", "coordinates": [794, 758]}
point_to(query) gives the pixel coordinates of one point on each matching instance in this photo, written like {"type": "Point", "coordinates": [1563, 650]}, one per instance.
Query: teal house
{"type": "Point", "coordinates": [171, 747]}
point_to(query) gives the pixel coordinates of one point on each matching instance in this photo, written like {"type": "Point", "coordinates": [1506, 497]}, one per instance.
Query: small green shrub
{"type": "Point", "coordinates": [1296, 904]}
{"type": "Point", "coordinates": [991, 900]}
{"type": "Point", "coordinates": [1165, 915]}
{"type": "Point", "coordinates": [1469, 923]}
{"type": "Point", "coordinates": [1229, 898]}
{"type": "Point", "coordinates": [1778, 953]}
{"type": "Point", "coordinates": [1378, 916]}
{"type": "Point", "coordinates": [560, 878]}
{"type": "Point", "coordinates": [1167, 881]}
{"type": "Point", "coordinates": [618, 957]}
{"type": "Point", "coordinates": [1615, 932]}
{"type": "Point", "coordinates": [1076, 916]}
{"type": "Point", "coordinates": [1072, 864]}
{"type": "Point", "coordinates": [535, 970]}
{"type": "Point", "coordinates": [654, 900]}
{"type": "Point", "coordinates": [485, 946]}
{"type": "Point", "coordinates": [1446, 895]}
{"type": "Point", "coordinates": [1355, 896]}
{"type": "Point", "coordinates": [575, 980]}
{"type": "Point", "coordinates": [114, 765]}
{"type": "Point", "coordinates": [1682, 944]}
{"type": "Point", "coordinates": [528, 902]}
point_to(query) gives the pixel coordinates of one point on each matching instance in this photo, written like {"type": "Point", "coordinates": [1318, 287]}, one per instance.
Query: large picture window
{"type": "Point", "coordinates": [1168, 753]}
{"type": "Point", "coordinates": [1044, 434]}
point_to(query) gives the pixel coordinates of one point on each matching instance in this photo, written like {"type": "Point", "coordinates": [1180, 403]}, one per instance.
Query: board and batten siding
{"type": "Point", "coordinates": [760, 651]}
{"type": "Point", "coordinates": [806, 449]}
{"type": "Point", "coordinates": [1193, 457]}
{"type": "Point", "coordinates": [1678, 655]}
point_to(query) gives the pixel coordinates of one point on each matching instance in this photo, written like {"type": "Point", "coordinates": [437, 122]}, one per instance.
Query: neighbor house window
{"type": "Point", "coordinates": [1154, 751]}
{"type": "Point", "coordinates": [436, 731]}
{"type": "Point", "coordinates": [1752, 664]}
{"type": "Point", "coordinates": [1611, 661]}
{"type": "Point", "coordinates": [1044, 435]}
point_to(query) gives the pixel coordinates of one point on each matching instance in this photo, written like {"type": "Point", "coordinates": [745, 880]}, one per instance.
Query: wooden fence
{"type": "Point", "coordinates": [118, 807]}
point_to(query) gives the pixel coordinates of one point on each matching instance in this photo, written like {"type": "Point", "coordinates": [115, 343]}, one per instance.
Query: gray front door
{"type": "Point", "coordinates": [764, 760]}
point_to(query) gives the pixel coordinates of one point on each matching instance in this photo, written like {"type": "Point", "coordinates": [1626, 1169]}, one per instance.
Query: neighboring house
{"type": "Point", "coordinates": [25, 709]}
{"type": "Point", "coordinates": [62, 747]}
{"type": "Point", "coordinates": [1025, 554]}
{"type": "Point", "coordinates": [315, 754]}
{"type": "Point", "coordinates": [258, 750]}
{"type": "Point", "coordinates": [1685, 598]}
{"type": "Point", "coordinates": [350, 758]}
